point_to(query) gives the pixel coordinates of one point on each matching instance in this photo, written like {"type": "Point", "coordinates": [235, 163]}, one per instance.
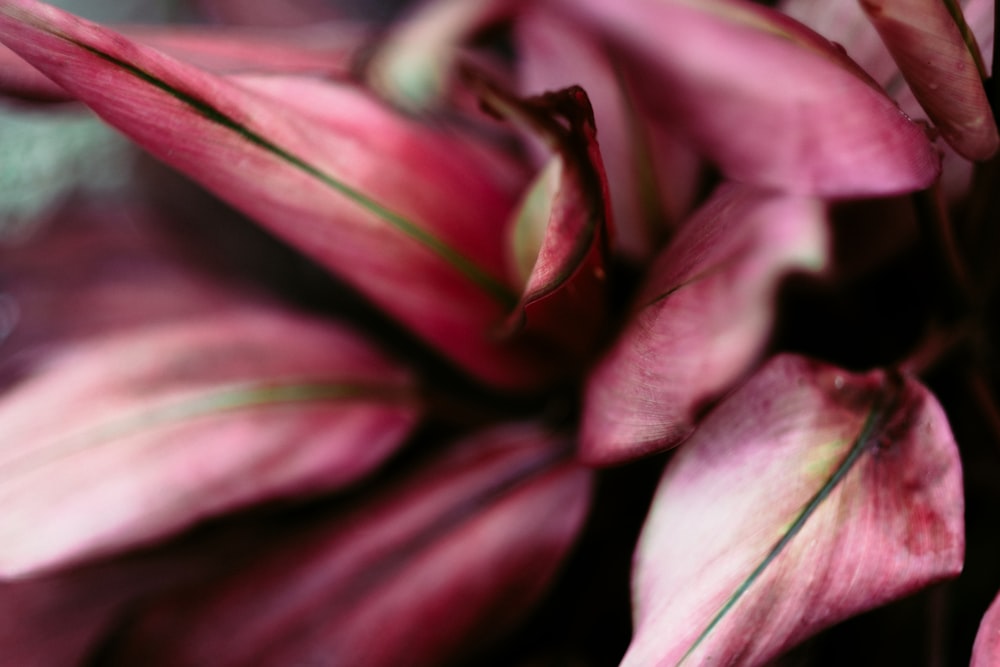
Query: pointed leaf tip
{"type": "Point", "coordinates": [809, 495]}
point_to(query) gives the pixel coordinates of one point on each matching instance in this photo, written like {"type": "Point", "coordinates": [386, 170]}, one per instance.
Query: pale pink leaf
{"type": "Point", "coordinates": [122, 439]}
{"type": "Point", "coordinates": [770, 101]}
{"type": "Point", "coordinates": [376, 197]}
{"type": "Point", "coordinates": [702, 318]}
{"type": "Point", "coordinates": [434, 568]}
{"type": "Point", "coordinates": [810, 495]}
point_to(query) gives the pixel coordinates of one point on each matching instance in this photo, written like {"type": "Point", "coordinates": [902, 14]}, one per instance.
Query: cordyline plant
{"type": "Point", "coordinates": [578, 246]}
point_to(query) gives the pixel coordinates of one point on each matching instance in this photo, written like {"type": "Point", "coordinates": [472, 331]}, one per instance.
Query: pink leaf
{"type": "Point", "coordinates": [125, 438]}
{"type": "Point", "coordinates": [438, 566]}
{"type": "Point", "coordinates": [770, 101]}
{"type": "Point", "coordinates": [560, 234]}
{"type": "Point", "coordinates": [809, 495]}
{"type": "Point", "coordinates": [702, 318]}
{"type": "Point", "coordinates": [986, 650]}
{"type": "Point", "coordinates": [944, 72]}
{"type": "Point", "coordinates": [374, 196]}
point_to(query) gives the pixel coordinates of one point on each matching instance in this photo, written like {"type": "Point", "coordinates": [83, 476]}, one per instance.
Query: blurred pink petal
{"type": "Point", "coordinates": [437, 567]}
{"type": "Point", "coordinates": [703, 317]}
{"type": "Point", "coordinates": [126, 438]}
{"type": "Point", "coordinates": [96, 270]}
{"type": "Point", "coordinates": [375, 197]}
{"type": "Point", "coordinates": [770, 101]}
{"type": "Point", "coordinates": [414, 63]}
{"type": "Point", "coordinates": [942, 70]}
{"type": "Point", "coordinates": [986, 651]}
{"type": "Point", "coordinates": [560, 232]}
{"type": "Point", "coordinates": [651, 174]}
{"type": "Point", "coordinates": [809, 495]}
{"type": "Point", "coordinates": [322, 50]}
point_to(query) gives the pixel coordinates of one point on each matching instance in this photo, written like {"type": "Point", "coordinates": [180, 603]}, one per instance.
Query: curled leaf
{"type": "Point", "coordinates": [702, 318]}
{"type": "Point", "coordinates": [560, 232]}
{"type": "Point", "coordinates": [809, 495]}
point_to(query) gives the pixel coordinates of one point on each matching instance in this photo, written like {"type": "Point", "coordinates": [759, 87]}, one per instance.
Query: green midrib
{"type": "Point", "coordinates": [857, 449]}
{"type": "Point", "coordinates": [214, 403]}
{"type": "Point", "coordinates": [493, 287]}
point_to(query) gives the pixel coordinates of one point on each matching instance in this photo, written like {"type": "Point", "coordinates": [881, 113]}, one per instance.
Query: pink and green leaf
{"type": "Point", "coordinates": [767, 99]}
{"type": "Point", "coordinates": [701, 320]}
{"type": "Point", "coordinates": [125, 438]}
{"type": "Point", "coordinates": [375, 197]}
{"type": "Point", "coordinates": [435, 568]}
{"type": "Point", "coordinates": [810, 495]}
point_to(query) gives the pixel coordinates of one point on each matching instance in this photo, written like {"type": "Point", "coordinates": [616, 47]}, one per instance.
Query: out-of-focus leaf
{"type": "Point", "coordinates": [436, 567]}
{"type": "Point", "coordinates": [126, 438]}
{"type": "Point", "coordinates": [770, 101]}
{"type": "Point", "coordinates": [374, 196]}
{"type": "Point", "coordinates": [809, 495]}
{"type": "Point", "coordinates": [324, 50]}
{"type": "Point", "coordinates": [414, 63]}
{"type": "Point", "coordinates": [95, 270]}
{"type": "Point", "coordinates": [945, 72]}
{"type": "Point", "coordinates": [986, 650]}
{"type": "Point", "coordinates": [701, 320]}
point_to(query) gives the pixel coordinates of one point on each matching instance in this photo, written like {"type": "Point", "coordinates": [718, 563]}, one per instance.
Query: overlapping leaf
{"type": "Point", "coordinates": [375, 197]}
{"type": "Point", "coordinates": [701, 319]}
{"type": "Point", "coordinates": [770, 101]}
{"type": "Point", "coordinates": [433, 569]}
{"type": "Point", "coordinates": [809, 495]}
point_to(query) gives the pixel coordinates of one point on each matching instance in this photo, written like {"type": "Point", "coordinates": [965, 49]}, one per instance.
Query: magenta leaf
{"type": "Point", "coordinates": [809, 495]}
{"type": "Point", "coordinates": [560, 231]}
{"type": "Point", "coordinates": [376, 197]}
{"type": "Point", "coordinates": [986, 650]}
{"type": "Point", "coordinates": [701, 320]}
{"type": "Point", "coordinates": [128, 437]}
{"type": "Point", "coordinates": [437, 566]}
{"type": "Point", "coordinates": [770, 101]}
